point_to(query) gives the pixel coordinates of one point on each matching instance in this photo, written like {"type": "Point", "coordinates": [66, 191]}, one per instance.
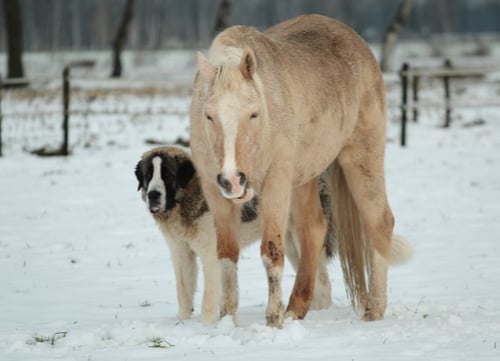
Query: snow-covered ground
{"type": "Point", "coordinates": [86, 275]}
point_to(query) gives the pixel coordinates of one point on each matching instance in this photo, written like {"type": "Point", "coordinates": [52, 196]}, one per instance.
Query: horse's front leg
{"type": "Point", "coordinates": [274, 208]}
{"type": "Point", "coordinates": [311, 226]}
{"type": "Point", "coordinates": [226, 218]}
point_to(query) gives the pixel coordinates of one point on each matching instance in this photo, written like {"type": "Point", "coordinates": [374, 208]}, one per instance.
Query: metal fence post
{"type": "Point", "coordinates": [1, 86]}
{"type": "Point", "coordinates": [446, 80]}
{"type": "Point", "coordinates": [65, 97]}
{"type": "Point", "coordinates": [404, 100]}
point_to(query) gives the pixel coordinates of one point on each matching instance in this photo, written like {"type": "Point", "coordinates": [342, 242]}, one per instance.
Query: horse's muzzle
{"type": "Point", "coordinates": [232, 186]}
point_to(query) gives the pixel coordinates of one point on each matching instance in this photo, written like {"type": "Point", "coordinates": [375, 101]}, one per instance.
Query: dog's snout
{"type": "Point", "coordinates": [153, 196]}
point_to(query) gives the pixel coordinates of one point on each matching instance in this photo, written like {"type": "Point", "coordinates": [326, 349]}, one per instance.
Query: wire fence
{"type": "Point", "coordinates": [97, 113]}
{"type": "Point", "coordinates": [102, 112]}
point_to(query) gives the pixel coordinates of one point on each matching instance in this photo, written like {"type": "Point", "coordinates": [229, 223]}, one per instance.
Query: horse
{"type": "Point", "coordinates": [270, 112]}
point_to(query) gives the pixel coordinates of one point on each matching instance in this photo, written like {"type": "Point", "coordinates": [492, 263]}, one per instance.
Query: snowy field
{"type": "Point", "coordinates": [85, 274]}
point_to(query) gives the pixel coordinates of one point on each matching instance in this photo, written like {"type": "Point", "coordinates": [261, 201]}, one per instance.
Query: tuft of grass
{"type": "Point", "coordinates": [47, 339]}
{"type": "Point", "coordinates": [159, 342]}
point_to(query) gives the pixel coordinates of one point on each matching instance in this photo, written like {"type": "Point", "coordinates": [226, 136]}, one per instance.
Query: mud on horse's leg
{"type": "Point", "coordinates": [274, 210]}
{"type": "Point", "coordinates": [272, 252]}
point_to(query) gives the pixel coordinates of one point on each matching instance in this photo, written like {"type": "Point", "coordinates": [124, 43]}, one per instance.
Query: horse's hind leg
{"type": "Point", "coordinates": [362, 164]}
{"type": "Point", "coordinates": [322, 295]}
{"type": "Point", "coordinates": [310, 225]}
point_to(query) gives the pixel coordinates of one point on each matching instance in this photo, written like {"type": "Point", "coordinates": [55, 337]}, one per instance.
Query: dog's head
{"type": "Point", "coordinates": [162, 174]}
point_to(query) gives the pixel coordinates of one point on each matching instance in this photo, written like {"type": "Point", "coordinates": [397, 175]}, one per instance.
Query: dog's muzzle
{"type": "Point", "coordinates": [154, 201]}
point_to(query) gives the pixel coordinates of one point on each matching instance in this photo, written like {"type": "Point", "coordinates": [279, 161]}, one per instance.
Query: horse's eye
{"type": "Point", "coordinates": [209, 117]}
{"type": "Point", "coordinates": [254, 115]}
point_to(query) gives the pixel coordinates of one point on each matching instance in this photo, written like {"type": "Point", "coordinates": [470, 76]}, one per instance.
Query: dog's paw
{"type": "Point", "coordinates": [184, 313]}
{"type": "Point", "coordinates": [209, 317]}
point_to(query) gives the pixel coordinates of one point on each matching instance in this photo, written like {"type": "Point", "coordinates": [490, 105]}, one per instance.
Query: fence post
{"type": "Point", "coordinates": [415, 84]}
{"type": "Point", "coordinates": [65, 97]}
{"type": "Point", "coordinates": [1, 86]}
{"type": "Point", "coordinates": [446, 81]}
{"type": "Point", "coordinates": [403, 73]}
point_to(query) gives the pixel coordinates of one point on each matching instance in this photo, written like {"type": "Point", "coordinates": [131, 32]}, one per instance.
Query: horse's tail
{"type": "Point", "coordinates": [353, 248]}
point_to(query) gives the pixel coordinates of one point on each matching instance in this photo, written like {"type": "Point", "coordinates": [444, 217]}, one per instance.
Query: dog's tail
{"type": "Point", "coordinates": [401, 250]}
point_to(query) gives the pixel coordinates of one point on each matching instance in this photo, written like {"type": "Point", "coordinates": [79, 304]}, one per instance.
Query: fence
{"type": "Point", "coordinates": [413, 75]}
{"type": "Point", "coordinates": [76, 106]}
{"type": "Point", "coordinates": [78, 109]}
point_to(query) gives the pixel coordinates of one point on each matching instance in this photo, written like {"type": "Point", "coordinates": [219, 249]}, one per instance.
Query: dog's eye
{"type": "Point", "coordinates": [166, 173]}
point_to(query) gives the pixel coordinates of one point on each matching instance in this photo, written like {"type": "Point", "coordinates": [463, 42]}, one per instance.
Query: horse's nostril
{"type": "Point", "coordinates": [243, 178]}
{"type": "Point", "coordinates": [224, 182]}
{"type": "Point", "coordinates": [153, 196]}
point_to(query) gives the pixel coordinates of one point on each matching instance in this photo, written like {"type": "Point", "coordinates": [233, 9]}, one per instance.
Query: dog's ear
{"type": "Point", "coordinates": [139, 175]}
{"type": "Point", "coordinates": [185, 172]}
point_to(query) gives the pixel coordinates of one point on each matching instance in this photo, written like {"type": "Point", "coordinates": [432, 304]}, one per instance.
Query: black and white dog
{"type": "Point", "coordinates": [173, 195]}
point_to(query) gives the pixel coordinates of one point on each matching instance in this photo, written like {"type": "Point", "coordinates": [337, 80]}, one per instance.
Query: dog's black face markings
{"type": "Point", "coordinates": [185, 172]}
{"type": "Point", "coordinates": [139, 174]}
{"type": "Point", "coordinates": [172, 173]}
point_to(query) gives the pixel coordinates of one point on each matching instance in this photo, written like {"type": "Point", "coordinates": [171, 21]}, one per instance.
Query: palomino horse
{"type": "Point", "coordinates": [270, 112]}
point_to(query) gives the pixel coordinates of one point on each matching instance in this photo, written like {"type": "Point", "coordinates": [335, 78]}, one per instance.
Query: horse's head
{"type": "Point", "coordinates": [235, 116]}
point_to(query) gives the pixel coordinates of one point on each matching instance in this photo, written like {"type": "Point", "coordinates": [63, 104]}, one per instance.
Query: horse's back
{"type": "Point", "coordinates": [319, 34]}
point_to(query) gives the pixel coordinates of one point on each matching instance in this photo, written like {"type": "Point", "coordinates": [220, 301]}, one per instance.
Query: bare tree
{"type": "Point", "coordinates": [392, 33]}
{"type": "Point", "coordinates": [222, 17]}
{"type": "Point", "coordinates": [13, 28]}
{"type": "Point", "coordinates": [121, 37]}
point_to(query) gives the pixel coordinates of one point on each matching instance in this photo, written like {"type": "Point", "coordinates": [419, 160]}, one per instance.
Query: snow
{"type": "Point", "coordinates": [86, 275]}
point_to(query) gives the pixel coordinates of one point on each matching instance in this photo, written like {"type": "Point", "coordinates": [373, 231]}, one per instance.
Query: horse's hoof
{"type": "Point", "coordinates": [293, 315]}
{"type": "Point", "coordinates": [275, 319]}
{"type": "Point", "coordinates": [371, 315]}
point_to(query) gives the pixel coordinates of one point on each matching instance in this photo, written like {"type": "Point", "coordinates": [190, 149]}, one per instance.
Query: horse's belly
{"type": "Point", "coordinates": [317, 149]}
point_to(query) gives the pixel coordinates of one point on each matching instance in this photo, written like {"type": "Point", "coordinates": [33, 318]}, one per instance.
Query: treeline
{"type": "Point", "coordinates": [159, 24]}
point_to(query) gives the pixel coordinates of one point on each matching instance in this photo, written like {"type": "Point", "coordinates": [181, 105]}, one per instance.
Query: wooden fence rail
{"type": "Point", "coordinates": [446, 72]}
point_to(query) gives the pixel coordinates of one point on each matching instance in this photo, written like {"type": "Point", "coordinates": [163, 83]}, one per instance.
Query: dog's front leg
{"type": "Point", "coordinates": [186, 271]}
{"type": "Point", "coordinates": [211, 280]}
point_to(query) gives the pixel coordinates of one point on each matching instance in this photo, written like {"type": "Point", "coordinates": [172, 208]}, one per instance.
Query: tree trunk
{"type": "Point", "coordinates": [14, 31]}
{"type": "Point", "coordinates": [121, 37]}
{"type": "Point", "coordinates": [392, 33]}
{"type": "Point", "coordinates": [222, 17]}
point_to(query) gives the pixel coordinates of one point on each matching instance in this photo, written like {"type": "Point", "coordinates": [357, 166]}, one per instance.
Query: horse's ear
{"type": "Point", "coordinates": [248, 63]}
{"type": "Point", "coordinates": [206, 69]}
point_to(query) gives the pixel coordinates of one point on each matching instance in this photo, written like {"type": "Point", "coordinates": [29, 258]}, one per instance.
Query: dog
{"type": "Point", "coordinates": [172, 192]}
